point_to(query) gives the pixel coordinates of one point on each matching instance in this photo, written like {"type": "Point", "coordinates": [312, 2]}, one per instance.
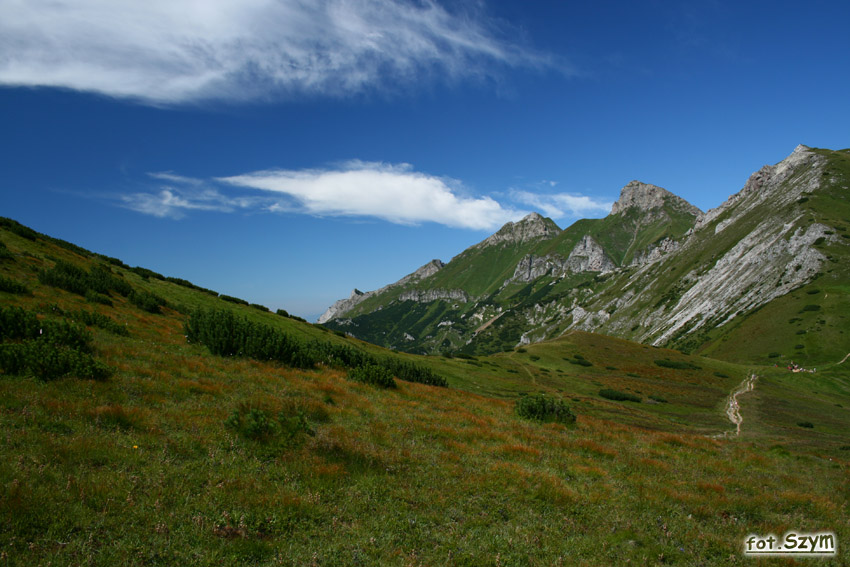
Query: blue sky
{"type": "Point", "coordinates": [286, 152]}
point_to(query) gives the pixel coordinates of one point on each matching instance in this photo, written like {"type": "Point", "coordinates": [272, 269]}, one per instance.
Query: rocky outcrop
{"type": "Point", "coordinates": [531, 227]}
{"type": "Point", "coordinates": [762, 186]}
{"type": "Point", "coordinates": [646, 197]}
{"type": "Point", "coordinates": [425, 271]}
{"type": "Point", "coordinates": [586, 256]}
{"type": "Point", "coordinates": [428, 295]}
{"type": "Point", "coordinates": [343, 306]}
{"type": "Point", "coordinates": [655, 252]}
{"type": "Point", "coordinates": [766, 264]}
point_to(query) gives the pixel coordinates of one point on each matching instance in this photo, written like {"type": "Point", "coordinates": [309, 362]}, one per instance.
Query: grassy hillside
{"type": "Point", "coordinates": [184, 457]}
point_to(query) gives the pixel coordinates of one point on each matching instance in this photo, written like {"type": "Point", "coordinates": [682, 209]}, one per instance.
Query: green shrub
{"type": "Point", "coordinates": [226, 334]}
{"type": "Point", "coordinates": [18, 228]}
{"type": "Point", "coordinates": [677, 364]}
{"type": "Point", "coordinates": [5, 253]}
{"type": "Point", "coordinates": [259, 307]}
{"type": "Point", "coordinates": [618, 396]}
{"type": "Point", "coordinates": [806, 424]}
{"type": "Point", "coordinates": [811, 307]}
{"type": "Point", "coordinates": [282, 312]}
{"type": "Point", "coordinates": [774, 355]}
{"type": "Point", "coordinates": [94, 297]}
{"type": "Point", "coordinates": [146, 274]}
{"type": "Point", "coordinates": [113, 261]}
{"type": "Point", "coordinates": [231, 299]}
{"type": "Point", "coordinates": [658, 399]}
{"type": "Point", "coordinates": [579, 361]}
{"type": "Point", "coordinates": [255, 424]}
{"type": "Point", "coordinates": [545, 409]}
{"type": "Point", "coordinates": [721, 375]}
{"type": "Point", "coordinates": [69, 277]}
{"type": "Point", "coordinates": [374, 375]}
{"type": "Point", "coordinates": [190, 285]}
{"type": "Point", "coordinates": [94, 319]}
{"type": "Point", "coordinates": [47, 361]}
{"type": "Point", "coordinates": [11, 286]}
{"type": "Point", "coordinates": [147, 301]}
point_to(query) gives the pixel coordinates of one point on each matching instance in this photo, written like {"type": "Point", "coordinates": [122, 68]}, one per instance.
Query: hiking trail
{"type": "Point", "coordinates": [733, 410]}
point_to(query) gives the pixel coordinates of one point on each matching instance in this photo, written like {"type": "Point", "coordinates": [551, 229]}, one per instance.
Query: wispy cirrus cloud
{"type": "Point", "coordinates": [563, 205]}
{"type": "Point", "coordinates": [174, 51]}
{"type": "Point", "coordinates": [174, 195]}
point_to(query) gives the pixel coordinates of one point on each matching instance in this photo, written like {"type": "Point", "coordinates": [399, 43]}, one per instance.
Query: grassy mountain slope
{"type": "Point", "coordinates": [764, 273]}
{"type": "Point", "coordinates": [181, 456]}
{"type": "Point", "coordinates": [484, 272]}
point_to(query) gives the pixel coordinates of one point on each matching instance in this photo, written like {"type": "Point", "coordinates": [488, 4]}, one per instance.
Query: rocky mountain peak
{"type": "Point", "coordinates": [531, 227]}
{"type": "Point", "coordinates": [647, 197]}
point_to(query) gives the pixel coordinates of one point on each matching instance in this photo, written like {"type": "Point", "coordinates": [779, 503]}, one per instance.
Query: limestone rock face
{"type": "Point", "coordinates": [426, 296]}
{"type": "Point", "coordinates": [589, 256]}
{"type": "Point", "coordinates": [343, 306]}
{"type": "Point", "coordinates": [586, 256]}
{"type": "Point", "coordinates": [762, 185]}
{"type": "Point", "coordinates": [656, 252]}
{"type": "Point", "coordinates": [646, 197]}
{"type": "Point", "coordinates": [531, 227]}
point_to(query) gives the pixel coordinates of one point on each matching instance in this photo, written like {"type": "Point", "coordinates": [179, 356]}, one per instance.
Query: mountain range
{"type": "Point", "coordinates": [763, 273]}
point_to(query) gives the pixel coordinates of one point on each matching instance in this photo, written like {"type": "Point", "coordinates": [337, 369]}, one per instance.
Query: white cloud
{"type": "Point", "coordinates": [394, 193]}
{"type": "Point", "coordinates": [563, 205]}
{"type": "Point", "coordinates": [182, 194]}
{"type": "Point", "coordinates": [171, 51]}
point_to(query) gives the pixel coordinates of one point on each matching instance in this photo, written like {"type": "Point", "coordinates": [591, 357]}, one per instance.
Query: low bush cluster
{"type": "Point", "coordinates": [257, 425]}
{"type": "Point", "coordinates": [374, 375]}
{"type": "Point", "coordinates": [11, 286]}
{"type": "Point", "coordinates": [677, 364]}
{"type": "Point", "coordinates": [186, 283]}
{"type": "Point", "coordinates": [146, 274]}
{"type": "Point", "coordinates": [227, 334]}
{"type": "Point", "coordinates": [618, 396]}
{"type": "Point", "coordinates": [147, 301]}
{"type": "Point", "coordinates": [19, 229]}
{"type": "Point", "coordinates": [5, 253]}
{"type": "Point", "coordinates": [46, 349]}
{"type": "Point", "coordinates": [69, 277]}
{"type": "Point", "coordinates": [540, 407]}
{"type": "Point", "coordinates": [94, 319]}
{"type": "Point", "coordinates": [579, 360]}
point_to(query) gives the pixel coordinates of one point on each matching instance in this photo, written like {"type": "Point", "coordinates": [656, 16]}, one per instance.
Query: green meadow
{"type": "Point", "coordinates": [174, 455]}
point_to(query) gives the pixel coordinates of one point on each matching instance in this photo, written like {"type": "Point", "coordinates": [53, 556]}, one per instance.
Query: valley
{"type": "Point", "coordinates": [173, 454]}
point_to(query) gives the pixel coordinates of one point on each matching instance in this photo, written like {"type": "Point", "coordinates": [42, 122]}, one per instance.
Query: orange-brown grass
{"type": "Point", "coordinates": [142, 470]}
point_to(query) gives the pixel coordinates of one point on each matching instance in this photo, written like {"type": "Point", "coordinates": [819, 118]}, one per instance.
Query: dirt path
{"type": "Point", "coordinates": [845, 358]}
{"type": "Point", "coordinates": [488, 323]}
{"type": "Point", "coordinates": [733, 410]}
